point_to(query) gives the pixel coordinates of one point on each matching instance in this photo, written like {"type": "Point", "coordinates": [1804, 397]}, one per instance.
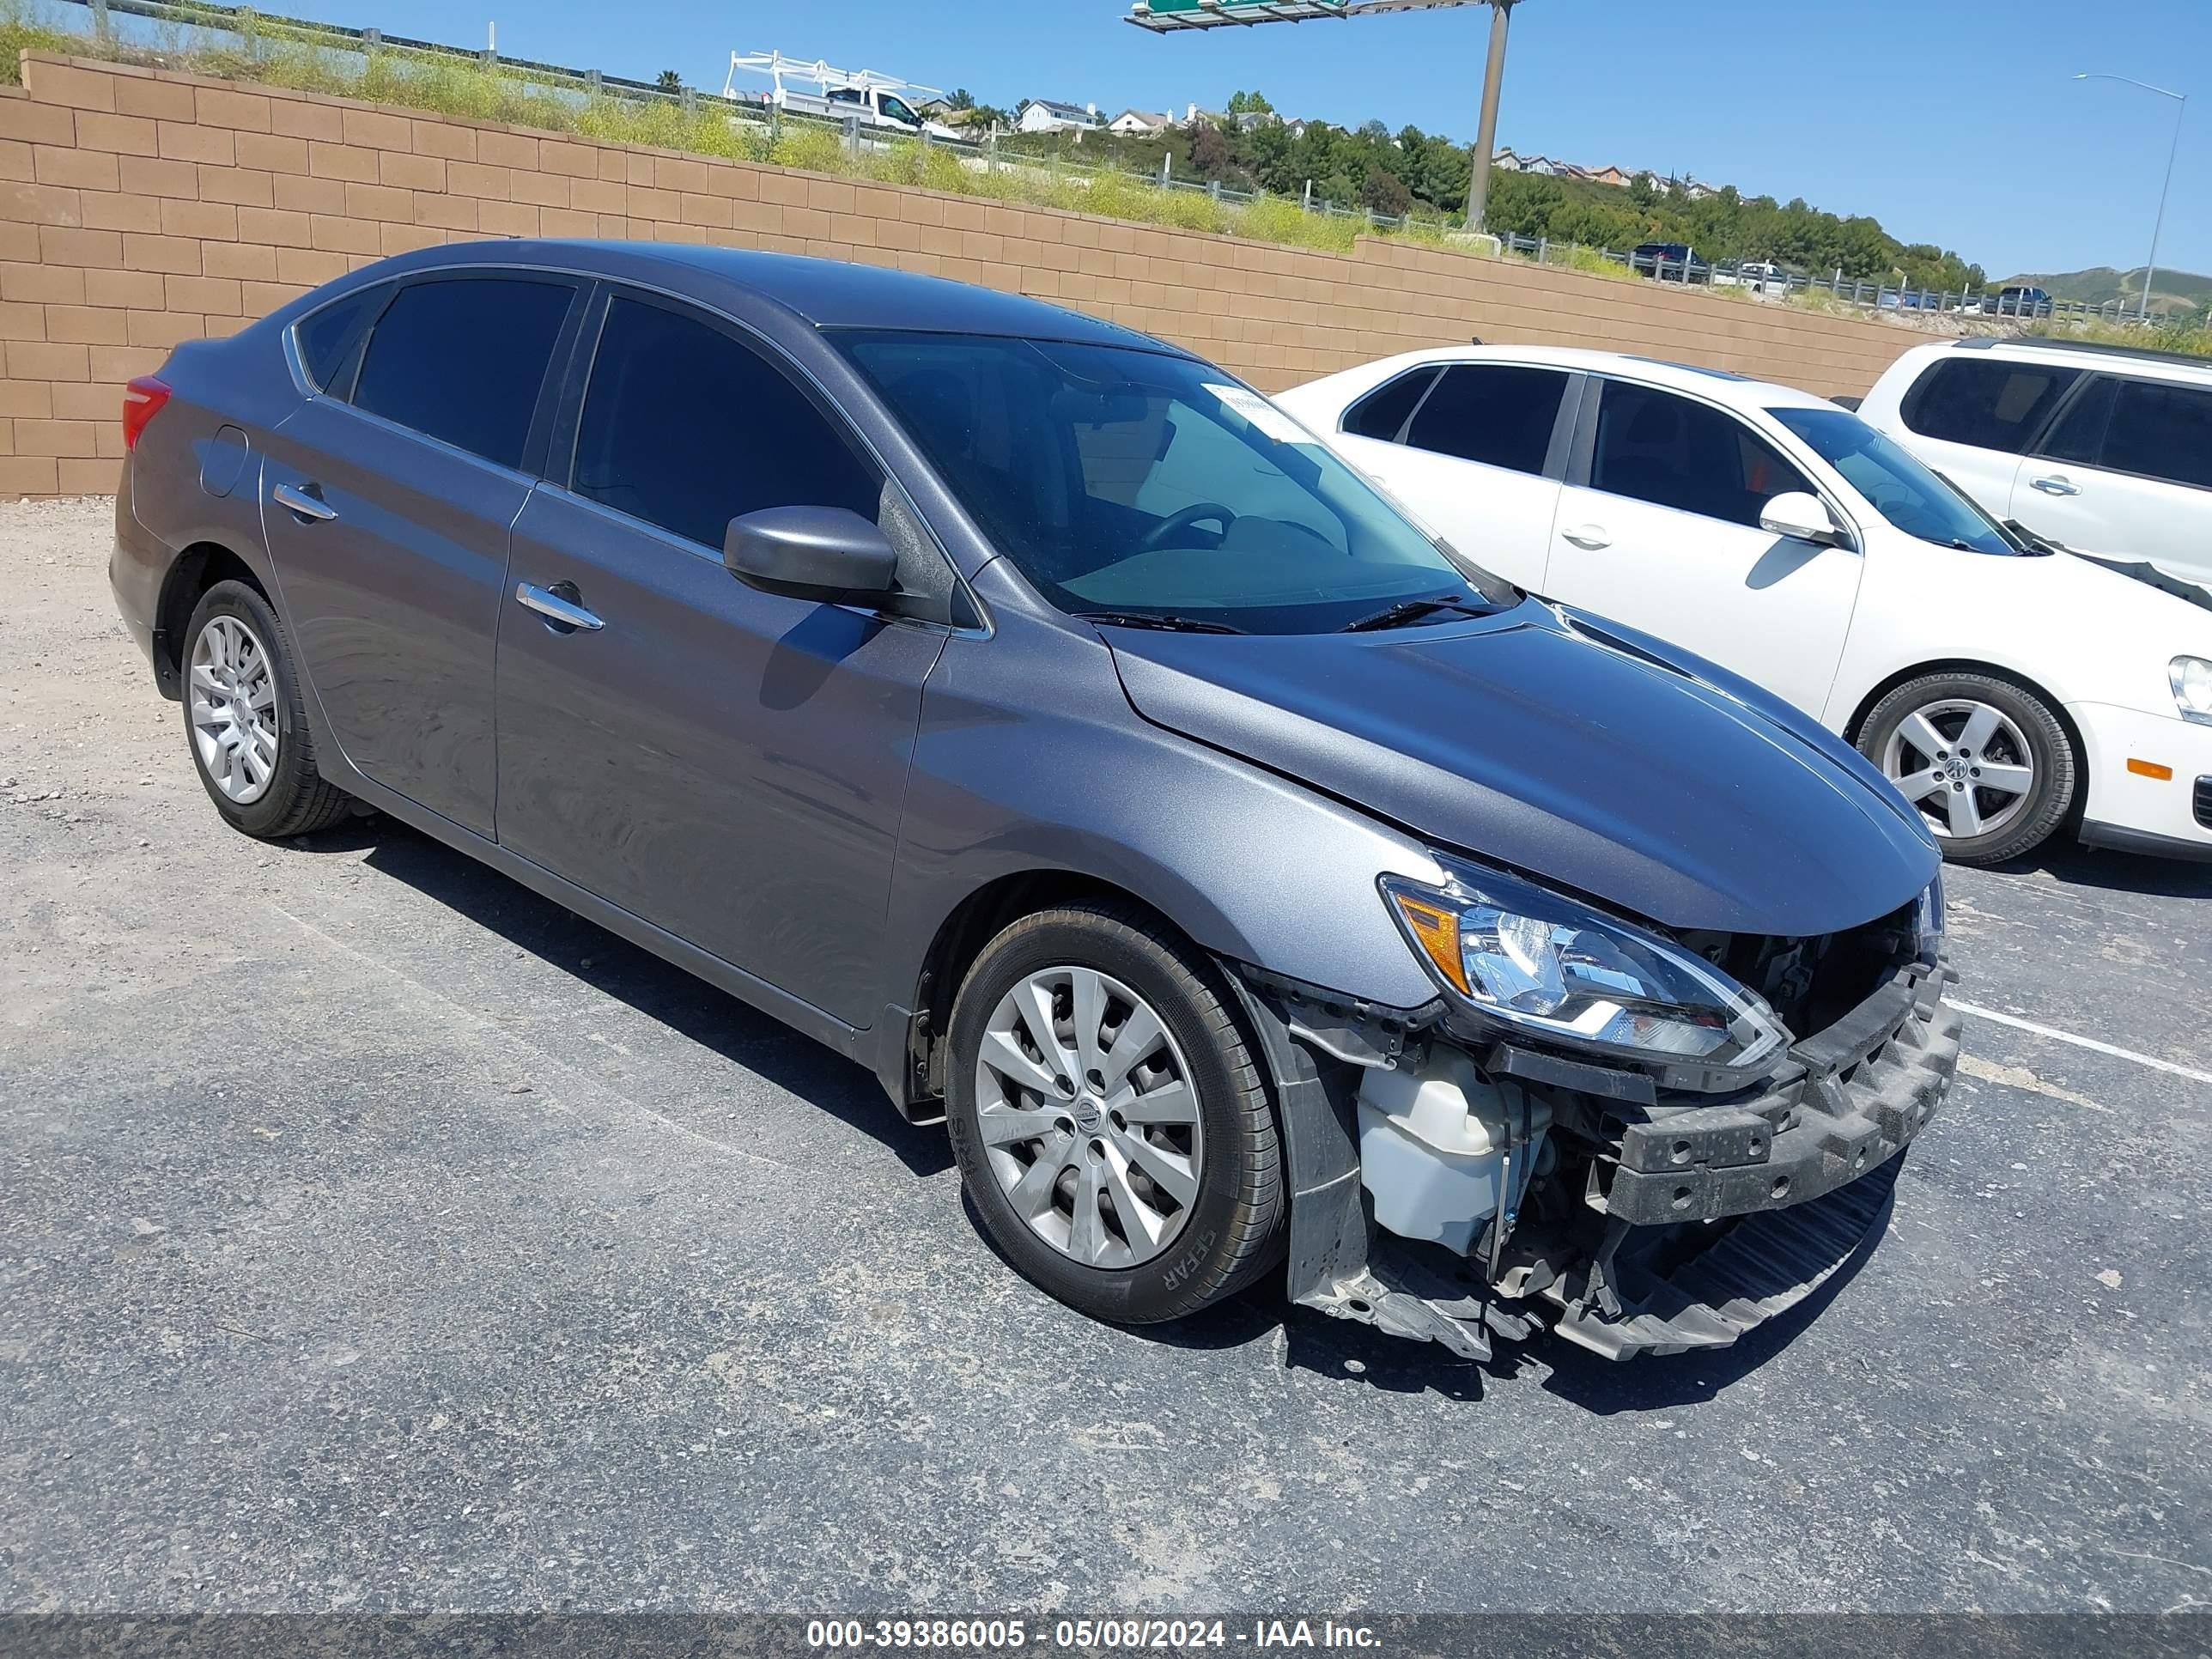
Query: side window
{"type": "Point", "coordinates": [686, 429]}
{"type": "Point", "coordinates": [1497, 415]}
{"type": "Point", "coordinates": [1656, 446]}
{"type": "Point", "coordinates": [1382, 411]}
{"type": "Point", "coordinates": [325, 338]}
{"type": "Point", "coordinates": [1985, 402]}
{"type": "Point", "coordinates": [2161, 431]}
{"type": "Point", "coordinates": [463, 360]}
{"type": "Point", "coordinates": [2079, 434]}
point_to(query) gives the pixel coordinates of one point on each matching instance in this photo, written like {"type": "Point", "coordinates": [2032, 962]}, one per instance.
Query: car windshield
{"type": "Point", "coordinates": [1150, 488]}
{"type": "Point", "coordinates": [1900, 489]}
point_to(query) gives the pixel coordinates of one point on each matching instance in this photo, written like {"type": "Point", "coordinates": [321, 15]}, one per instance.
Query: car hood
{"type": "Point", "coordinates": [1567, 747]}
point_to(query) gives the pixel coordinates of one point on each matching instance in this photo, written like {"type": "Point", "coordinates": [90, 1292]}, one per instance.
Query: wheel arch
{"type": "Point", "coordinates": [198, 567]}
{"type": "Point", "coordinates": [960, 937]}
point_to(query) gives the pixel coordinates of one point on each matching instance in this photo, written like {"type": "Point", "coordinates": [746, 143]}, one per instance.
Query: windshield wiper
{"type": "Point", "coordinates": [1170, 624]}
{"type": "Point", "coordinates": [1407, 610]}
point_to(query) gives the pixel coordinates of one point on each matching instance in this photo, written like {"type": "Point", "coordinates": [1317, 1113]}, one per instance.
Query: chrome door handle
{"type": "Point", "coordinates": [2055, 486]}
{"type": "Point", "coordinates": [299, 503]}
{"type": "Point", "coordinates": [1591, 535]}
{"type": "Point", "coordinates": [556, 609]}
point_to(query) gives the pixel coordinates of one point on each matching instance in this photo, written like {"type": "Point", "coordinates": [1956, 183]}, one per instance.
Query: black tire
{"type": "Point", "coordinates": [1229, 1237]}
{"type": "Point", "coordinates": [298, 800]}
{"type": "Point", "coordinates": [2050, 750]}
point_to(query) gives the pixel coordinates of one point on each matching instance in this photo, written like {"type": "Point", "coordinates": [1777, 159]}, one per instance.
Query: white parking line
{"type": "Point", "coordinates": [2056, 1036]}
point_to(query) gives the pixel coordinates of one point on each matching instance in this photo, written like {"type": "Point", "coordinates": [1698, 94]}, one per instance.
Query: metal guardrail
{"type": "Point", "coordinates": [1872, 295]}
{"type": "Point", "coordinates": [250, 27]}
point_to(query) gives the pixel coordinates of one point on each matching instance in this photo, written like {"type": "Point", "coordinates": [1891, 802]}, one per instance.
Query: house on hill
{"type": "Point", "coordinates": [1140, 123]}
{"type": "Point", "coordinates": [1049, 115]}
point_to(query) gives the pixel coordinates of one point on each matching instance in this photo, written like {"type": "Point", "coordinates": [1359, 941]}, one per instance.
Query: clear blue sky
{"type": "Point", "coordinates": [1952, 122]}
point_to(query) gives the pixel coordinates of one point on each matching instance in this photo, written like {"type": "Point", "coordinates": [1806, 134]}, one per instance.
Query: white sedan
{"type": "Point", "coordinates": [2008, 691]}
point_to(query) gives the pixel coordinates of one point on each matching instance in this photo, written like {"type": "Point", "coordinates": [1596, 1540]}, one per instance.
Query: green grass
{"type": "Point", "coordinates": [2195, 339]}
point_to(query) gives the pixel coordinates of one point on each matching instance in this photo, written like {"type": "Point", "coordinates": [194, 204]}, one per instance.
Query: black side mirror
{"type": "Point", "coordinates": [828, 554]}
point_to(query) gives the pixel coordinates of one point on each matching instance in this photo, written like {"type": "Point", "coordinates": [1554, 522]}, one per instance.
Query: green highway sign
{"type": "Point", "coordinates": [1162, 16]}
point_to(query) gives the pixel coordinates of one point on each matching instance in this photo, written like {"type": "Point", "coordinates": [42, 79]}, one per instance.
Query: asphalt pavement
{"type": "Point", "coordinates": [374, 1234]}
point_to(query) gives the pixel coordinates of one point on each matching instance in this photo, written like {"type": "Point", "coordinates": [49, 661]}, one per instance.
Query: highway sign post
{"type": "Point", "coordinates": [1170, 16]}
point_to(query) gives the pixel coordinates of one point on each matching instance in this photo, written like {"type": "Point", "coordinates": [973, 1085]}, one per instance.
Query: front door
{"type": "Point", "coordinates": [726, 764]}
{"type": "Point", "coordinates": [386, 501]}
{"type": "Point", "coordinates": [1664, 537]}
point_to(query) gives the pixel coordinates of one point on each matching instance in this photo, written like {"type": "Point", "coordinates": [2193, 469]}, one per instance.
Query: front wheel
{"type": "Point", "coordinates": [1109, 1121]}
{"type": "Point", "coordinates": [246, 721]}
{"type": "Point", "coordinates": [1985, 761]}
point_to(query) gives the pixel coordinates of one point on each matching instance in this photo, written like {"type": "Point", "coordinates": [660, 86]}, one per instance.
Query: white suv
{"type": "Point", "coordinates": [2104, 451]}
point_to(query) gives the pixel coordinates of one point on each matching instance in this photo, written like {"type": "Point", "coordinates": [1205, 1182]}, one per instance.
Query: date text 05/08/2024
{"type": "Point", "coordinates": [987, 1635]}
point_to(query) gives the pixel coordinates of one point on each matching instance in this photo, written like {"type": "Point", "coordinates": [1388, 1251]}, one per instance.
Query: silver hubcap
{"type": "Point", "coordinates": [233, 709]}
{"type": "Point", "coordinates": [1089, 1117]}
{"type": "Point", "coordinates": [1965, 765]}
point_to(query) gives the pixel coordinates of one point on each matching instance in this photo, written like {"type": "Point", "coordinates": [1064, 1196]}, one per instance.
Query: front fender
{"type": "Point", "coordinates": [1248, 865]}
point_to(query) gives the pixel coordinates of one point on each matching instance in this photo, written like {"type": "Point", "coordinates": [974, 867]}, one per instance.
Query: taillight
{"type": "Point", "coordinates": [142, 401]}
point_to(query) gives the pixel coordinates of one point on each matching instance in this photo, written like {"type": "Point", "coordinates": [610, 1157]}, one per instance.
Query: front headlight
{"type": "Point", "coordinates": [1535, 960]}
{"type": "Point", "coordinates": [1927, 914]}
{"type": "Point", "coordinates": [2192, 689]}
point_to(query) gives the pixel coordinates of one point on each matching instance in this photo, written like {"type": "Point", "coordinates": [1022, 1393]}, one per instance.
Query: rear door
{"type": "Point", "coordinates": [1477, 454]}
{"type": "Point", "coordinates": [726, 764]}
{"type": "Point", "coordinates": [386, 501]}
{"type": "Point", "coordinates": [2125, 471]}
{"type": "Point", "coordinates": [1659, 528]}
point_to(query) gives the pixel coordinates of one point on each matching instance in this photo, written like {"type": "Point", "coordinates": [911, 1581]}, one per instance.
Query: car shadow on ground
{"type": "Point", "coordinates": [660, 990]}
{"type": "Point", "coordinates": [2077, 866]}
{"type": "Point", "coordinates": [1344, 1351]}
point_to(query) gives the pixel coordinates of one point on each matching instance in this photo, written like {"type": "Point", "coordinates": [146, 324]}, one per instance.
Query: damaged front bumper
{"type": "Point", "coordinates": [1703, 1220]}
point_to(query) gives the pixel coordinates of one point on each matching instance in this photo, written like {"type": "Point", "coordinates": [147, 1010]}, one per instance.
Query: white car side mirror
{"type": "Point", "coordinates": [1803, 516]}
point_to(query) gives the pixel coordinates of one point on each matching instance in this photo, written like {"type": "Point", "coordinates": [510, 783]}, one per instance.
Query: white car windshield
{"type": "Point", "coordinates": [1902, 490]}
{"type": "Point", "coordinates": [1147, 487]}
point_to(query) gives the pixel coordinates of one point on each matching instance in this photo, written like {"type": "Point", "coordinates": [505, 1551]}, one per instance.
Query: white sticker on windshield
{"type": "Point", "coordinates": [1262, 414]}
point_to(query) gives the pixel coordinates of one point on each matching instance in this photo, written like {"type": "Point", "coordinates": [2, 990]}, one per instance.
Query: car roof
{"type": "Point", "coordinates": [1714, 384]}
{"type": "Point", "coordinates": [2147, 362]}
{"type": "Point", "coordinates": [826, 292]}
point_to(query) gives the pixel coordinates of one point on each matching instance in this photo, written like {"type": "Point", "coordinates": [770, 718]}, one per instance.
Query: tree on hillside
{"type": "Point", "coordinates": [962, 98]}
{"type": "Point", "coordinates": [1386, 192]}
{"type": "Point", "coordinates": [1428, 174]}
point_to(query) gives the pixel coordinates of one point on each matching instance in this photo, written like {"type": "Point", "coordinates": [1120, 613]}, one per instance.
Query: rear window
{"type": "Point", "coordinates": [2161, 431]}
{"type": "Point", "coordinates": [1985, 402]}
{"type": "Point", "coordinates": [1495, 414]}
{"type": "Point", "coordinates": [463, 361]}
{"type": "Point", "coordinates": [325, 338]}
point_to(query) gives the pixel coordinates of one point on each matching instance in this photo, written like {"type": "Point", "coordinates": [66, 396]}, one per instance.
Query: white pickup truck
{"type": "Point", "coordinates": [861, 95]}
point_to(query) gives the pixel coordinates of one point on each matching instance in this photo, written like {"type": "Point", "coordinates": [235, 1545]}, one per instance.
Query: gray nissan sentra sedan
{"type": "Point", "coordinates": [1033, 713]}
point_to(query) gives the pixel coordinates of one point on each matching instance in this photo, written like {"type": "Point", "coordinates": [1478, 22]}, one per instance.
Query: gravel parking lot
{"type": "Point", "coordinates": [377, 1234]}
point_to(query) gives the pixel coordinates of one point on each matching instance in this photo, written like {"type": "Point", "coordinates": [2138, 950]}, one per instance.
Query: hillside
{"type": "Point", "coordinates": [2172, 292]}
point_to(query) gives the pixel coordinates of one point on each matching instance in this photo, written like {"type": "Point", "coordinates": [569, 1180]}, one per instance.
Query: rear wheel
{"type": "Point", "coordinates": [246, 722]}
{"type": "Point", "coordinates": [1109, 1118]}
{"type": "Point", "coordinates": [1985, 761]}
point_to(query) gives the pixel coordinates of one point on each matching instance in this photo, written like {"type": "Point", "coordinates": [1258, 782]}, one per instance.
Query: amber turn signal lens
{"type": "Point", "coordinates": [1437, 929]}
{"type": "Point", "coordinates": [2150, 769]}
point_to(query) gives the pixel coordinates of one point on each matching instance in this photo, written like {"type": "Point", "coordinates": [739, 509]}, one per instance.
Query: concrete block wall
{"type": "Point", "coordinates": [139, 208]}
